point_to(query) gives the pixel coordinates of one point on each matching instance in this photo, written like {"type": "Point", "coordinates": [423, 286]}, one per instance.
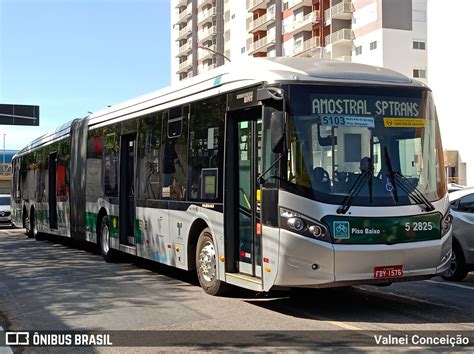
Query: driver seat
{"type": "Point", "coordinates": [320, 180]}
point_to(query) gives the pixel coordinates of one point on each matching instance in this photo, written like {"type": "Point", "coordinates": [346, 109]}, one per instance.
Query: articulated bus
{"type": "Point", "coordinates": [264, 174]}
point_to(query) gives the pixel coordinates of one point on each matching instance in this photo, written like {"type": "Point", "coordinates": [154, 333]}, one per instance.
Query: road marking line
{"type": "Point", "coordinates": [403, 296]}
{"type": "Point", "coordinates": [341, 324]}
{"type": "Point", "coordinates": [450, 284]}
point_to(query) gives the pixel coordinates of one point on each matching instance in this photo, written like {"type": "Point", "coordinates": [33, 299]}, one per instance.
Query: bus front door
{"type": "Point", "coordinates": [127, 190]}
{"type": "Point", "coordinates": [244, 230]}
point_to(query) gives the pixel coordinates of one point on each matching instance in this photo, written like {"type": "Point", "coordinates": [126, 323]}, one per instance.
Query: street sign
{"type": "Point", "coordinates": [17, 114]}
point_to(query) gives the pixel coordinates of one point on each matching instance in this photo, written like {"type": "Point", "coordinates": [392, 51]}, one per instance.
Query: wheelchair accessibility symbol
{"type": "Point", "coordinates": [341, 230]}
{"type": "Point", "coordinates": [389, 186]}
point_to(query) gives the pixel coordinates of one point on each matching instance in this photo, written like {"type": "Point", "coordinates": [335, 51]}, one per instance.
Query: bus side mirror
{"type": "Point", "coordinates": [277, 129]}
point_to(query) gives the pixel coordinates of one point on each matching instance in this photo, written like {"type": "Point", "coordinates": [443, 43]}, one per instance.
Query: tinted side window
{"type": "Point", "coordinates": [62, 169]}
{"type": "Point", "coordinates": [110, 161]}
{"type": "Point", "coordinates": [206, 149]}
{"type": "Point", "coordinates": [42, 159]}
{"type": "Point", "coordinates": [175, 153]}
{"type": "Point", "coordinates": [149, 161]}
{"type": "Point", "coordinates": [466, 204]}
{"type": "Point", "coordinates": [454, 204]}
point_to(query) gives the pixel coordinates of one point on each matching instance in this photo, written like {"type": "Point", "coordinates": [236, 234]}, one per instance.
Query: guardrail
{"type": "Point", "coordinates": [260, 43]}
{"type": "Point", "coordinates": [306, 45]}
{"type": "Point", "coordinates": [342, 7]}
{"type": "Point", "coordinates": [342, 34]}
{"type": "Point", "coordinates": [307, 19]}
{"type": "Point", "coordinates": [269, 16]}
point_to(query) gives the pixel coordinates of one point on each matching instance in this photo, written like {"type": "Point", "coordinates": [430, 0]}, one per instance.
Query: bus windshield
{"type": "Point", "coordinates": [385, 139]}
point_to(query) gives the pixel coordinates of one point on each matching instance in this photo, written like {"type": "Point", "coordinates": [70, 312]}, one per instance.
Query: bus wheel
{"type": "Point", "coordinates": [32, 230]}
{"type": "Point", "coordinates": [457, 270]}
{"type": "Point", "coordinates": [26, 223]}
{"type": "Point", "coordinates": [206, 264]}
{"type": "Point", "coordinates": [104, 241]}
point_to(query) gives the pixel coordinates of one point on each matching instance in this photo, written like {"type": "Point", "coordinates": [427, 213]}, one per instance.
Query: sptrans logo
{"type": "Point", "coordinates": [341, 229]}
{"type": "Point", "coordinates": [17, 338]}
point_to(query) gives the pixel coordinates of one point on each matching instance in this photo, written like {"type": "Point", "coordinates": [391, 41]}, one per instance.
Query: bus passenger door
{"type": "Point", "coordinates": [52, 203]}
{"type": "Point", "coordinates": [127, 190]}
{"type": "Point", "coordinates": [243, 230]}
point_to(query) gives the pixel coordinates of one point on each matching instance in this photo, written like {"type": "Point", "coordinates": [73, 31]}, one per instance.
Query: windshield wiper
{"type": "Point", "coordinates": [367, 173]}
{"type": "Point", "coordinates": [413, 192]}
{"type": "Point", "coordinates": [406, 186]}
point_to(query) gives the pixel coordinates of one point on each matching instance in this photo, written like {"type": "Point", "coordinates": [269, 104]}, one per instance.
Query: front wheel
{"type": "Point", "coordinates": [104, 241]}
{"type": "Point", "coordinates": [206, 264]}
{"type": "Point", "coordinates": [457, 270]}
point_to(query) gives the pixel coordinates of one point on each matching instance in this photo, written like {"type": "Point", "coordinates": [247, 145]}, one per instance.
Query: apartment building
{"type": "Point", "coordinates": [388, 33]}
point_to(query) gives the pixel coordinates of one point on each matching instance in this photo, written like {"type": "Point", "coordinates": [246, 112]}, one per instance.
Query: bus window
{"type": "Point", "coordinates": [206, 149]}
{"type": "Point", "coordinates": [149, 143]}
{"type": "Point", "coordinates": [110, 163]}
{"type": "Point", "coordinates": [175, 157]}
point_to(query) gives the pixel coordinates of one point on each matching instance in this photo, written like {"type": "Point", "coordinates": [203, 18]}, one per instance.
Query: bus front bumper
{"type": "Point", "coordinates": [305, 262]}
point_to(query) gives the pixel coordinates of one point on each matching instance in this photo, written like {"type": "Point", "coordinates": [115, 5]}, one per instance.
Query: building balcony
{"type": "Point", "coordinates": [207, 67]}
{"type": "Point", "coordinates": [302, 48]}
{"type": "Point", "coordinates": [344, 36]}
{"type": "Point", "coordinates": [202, 3]}
{"type": "Point", "coordinates": [253, 5]}
{"type": "Point", "coordinates": [207, 34]}
{"type": "Point", "coordinates": [341, 11]}
{"type": "Point", "coordinates": [185, 66]}
{"type": "Point", "coordinates": [185, 49]}
{"type": "Point", "coordinates": [206, 54]}
{"type": "Point", "coordinates": [261, 23]}
{"type": "Point", "coordinates": [185, 75]}
{"type": "Point", "coordinates": [184, 32]}
{"type": "Point", "coordinates": [185, 15]}
{"type": "Point", "coordinates": [305, 23]}
{"type": "Point", "coordinates": [206, 16]}
{"type": "Point", "coordinates": [344, 58]}
{"type": "Point", "coordinates": [181, 3]}
{"type": "Point", "coordinates": [261, 45]}
{"type": "Point", "coordinates": [296, 4]}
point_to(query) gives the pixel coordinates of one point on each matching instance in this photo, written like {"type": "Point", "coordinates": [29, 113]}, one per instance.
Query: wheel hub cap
{"type": "Point", "coordinates": [207, 262]}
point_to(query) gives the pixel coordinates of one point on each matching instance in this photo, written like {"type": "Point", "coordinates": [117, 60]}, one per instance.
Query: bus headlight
{"type": "Point", "coordinates": [296, 224]}
{"type": "Point", "coordinates": [303, 225]}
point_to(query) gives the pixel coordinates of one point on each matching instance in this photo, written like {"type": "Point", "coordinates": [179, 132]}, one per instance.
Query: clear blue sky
{"type": "Point", "coordinates": [74, 56]}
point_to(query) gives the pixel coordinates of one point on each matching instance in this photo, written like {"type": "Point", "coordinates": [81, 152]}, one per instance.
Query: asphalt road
{"type": "Point", "coordinates": [54, 285]}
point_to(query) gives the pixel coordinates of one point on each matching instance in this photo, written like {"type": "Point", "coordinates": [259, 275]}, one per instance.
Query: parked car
{"type": "Point", "coordinates": [452, 187]}
{"type": "Point", "coordinates": [5, 214]}
{"type": "Point", "coordinates": [462, 209]}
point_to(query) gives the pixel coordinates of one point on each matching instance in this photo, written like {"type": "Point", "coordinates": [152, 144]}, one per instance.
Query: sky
{"type": "Point", "coordinates": [71, 57]}
{"type": "Point", "coordinates": [451, 75]}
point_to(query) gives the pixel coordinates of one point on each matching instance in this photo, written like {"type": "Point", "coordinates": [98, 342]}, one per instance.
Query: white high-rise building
{"type": "Point", "coordinates": [388, 33]}
{"type": "Point", "coordinates": [450, 76]}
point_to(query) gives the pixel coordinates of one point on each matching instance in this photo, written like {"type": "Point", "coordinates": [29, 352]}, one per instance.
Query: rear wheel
{"type": "Point", "coordinates": [206, 264]}
{"type": "Point", "coordinates": [26, 224]}
{"type": "Point", "coordinates": [104, 241]}
{"type": "Point", "coordinates": [31, 229]}
{"type": "Point", "coordinates": [457, 270]}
